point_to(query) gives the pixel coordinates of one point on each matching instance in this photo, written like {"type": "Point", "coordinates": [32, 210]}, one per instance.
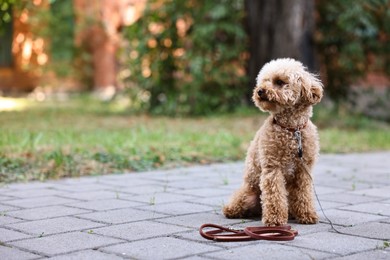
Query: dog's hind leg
{"type": "Point", "coordinates": [245, 202]}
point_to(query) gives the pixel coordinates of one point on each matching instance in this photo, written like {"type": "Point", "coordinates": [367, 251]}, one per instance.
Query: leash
{"type": "Point", "coordinates": [226, 234]}
{"type": "Point", "coordinates": [319, 202]}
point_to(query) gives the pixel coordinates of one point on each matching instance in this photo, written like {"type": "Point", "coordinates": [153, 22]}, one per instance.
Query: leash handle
{"type": "Point", "coordinates": [282, 233]}
{"type": "Point", "coordinates": [225, 234]}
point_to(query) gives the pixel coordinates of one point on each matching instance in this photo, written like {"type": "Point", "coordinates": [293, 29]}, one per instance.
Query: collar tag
{"type": "Point", "coordinates": [298, 136]}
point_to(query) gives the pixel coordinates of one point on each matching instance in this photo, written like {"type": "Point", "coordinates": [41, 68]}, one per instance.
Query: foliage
{"type": "Point", "coordinates": [5, 13]}
{"type": "Point", "coordinates": [61, 24]}
{"type": "Point", "coordinates": [54, 23]}
{"type": "Point", "coordinates": [188, 57]}
{"type": "Point", "coordinates": [353, 39]}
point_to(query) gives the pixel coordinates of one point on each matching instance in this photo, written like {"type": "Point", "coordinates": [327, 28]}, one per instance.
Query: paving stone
{"type": "Point", "coordinates": [119, 216]}
{"type": "Point", "coordinates": [385, 220]}
{"type": "Point", "coordinates": [199, 173]}
{"type": "Point", "coordinates": [6, 208]}
{"type": "Point", "coordinates": [381, 209]}
{"type": "Point", "coordinates": [8, 235]}
{"type": "Point", "coordinates": [4, 219]}
{"type": "Point", "coordinates": [165, 177]}
{"type": "Point", "coordinates": [168, 176]}
{"type": "Point", "coordinates": [87, 255]}
{"type": "Point", "coordinates": [327, 169]}
{"type": "Point", "coordinates": [198, 219]}
{"type": "Point", "coordinates": [38, 202]}
{"type": "Point", "coordinates": [30, 186]}
{"type": "Point", "coordinates": [105, 204]}
{"type": "Point", "coordinates": [266, 250]}
{"type": "Point", "coordinates": [309, 229]}
{"type": "Point", "coordinates": [347, 198]}
{"type": "Point", "coordinates": [370, 230]}
{"type": "Point", "coordinates": [34, 193]}
{"type": "Point", "coordinates": [378, 192]}
{"type": "Point", "coordinates": [335, 243]}
{"type": "Point", "coordinates": [321, 190]}
{"type": "Point", "coordinates": [139, 230]}
{"type": "Point", "coordinates": [196, 257]}
{"type": "Point", "coordinates": [64, 243]}
{"type": "Point", "coordinates": [327, 205]}
{"type": "Point", "coordinates": [93, 195]}
{"type": "Point", "coordinates": [349, 186]}
{"type": "Point", "coordinates": [348, 218]}
{"type": "Point", "coordinates": [79, 180]}
{"type": "Point", "coordinates": [157, 198]}
{"type": "Point", "coordinates": [377, 255]}
{"type": "Point", "coordinates": [185, 185]}
{"type": "Point", "coordinates": [178, 208]}
{"type": "Point", "coordinates": [3, 197]}
{"type": "Point", "coordinates": [377, 180]}
{"type": "Point", "coordinates": [160, 248]}
{"type": "Point", "coordinates": [214, 180]}
{"type": "Point", "coordinates": [9, 253]}
{"type": "Point", "coordinates": [82, 187]}
{"type": "Point", "coordinates": [45, 212]}
{"type": "Point", "coordinates": [205, 192]}
{"type": "Point", "coordinates": [54, 225]}
{"type": "Point", "coordinates": [215, 201]}
{"type": "Point", "coordinates": [126, 180]}
{"type": "Point", "coordinates": [146, 189]}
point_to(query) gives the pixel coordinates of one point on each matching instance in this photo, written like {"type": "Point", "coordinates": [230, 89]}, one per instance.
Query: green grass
{"type": "Point", "coordinates": [85, 137]}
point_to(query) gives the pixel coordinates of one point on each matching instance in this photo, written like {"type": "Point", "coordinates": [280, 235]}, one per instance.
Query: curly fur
{"type": "Point", "coordinates": [276, 184]}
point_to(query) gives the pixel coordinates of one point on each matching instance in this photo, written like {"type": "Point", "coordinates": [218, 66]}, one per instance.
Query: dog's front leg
{"type": "Point", "coordinates": [300, 194]}
{"type": "Point", "coordinates": [273, 197]}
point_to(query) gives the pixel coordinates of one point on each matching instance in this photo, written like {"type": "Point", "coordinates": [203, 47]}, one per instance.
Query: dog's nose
{"type": "Point", "coordinates": [260, 92]}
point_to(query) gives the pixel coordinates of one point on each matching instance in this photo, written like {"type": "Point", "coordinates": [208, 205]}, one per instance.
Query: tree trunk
{"type": "Point", "coordinates": [278, 29]}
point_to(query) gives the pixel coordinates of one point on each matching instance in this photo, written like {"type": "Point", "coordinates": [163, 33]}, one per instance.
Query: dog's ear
{"type": "Point", "coordinates": [312, 88]}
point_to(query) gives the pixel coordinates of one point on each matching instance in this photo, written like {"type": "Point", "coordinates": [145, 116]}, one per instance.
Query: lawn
{"type": "Point", "coordinates": [54, 139]}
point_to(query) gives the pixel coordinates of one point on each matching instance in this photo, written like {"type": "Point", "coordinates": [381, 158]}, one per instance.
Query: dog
{"type": "Point", "coordinates": [278, 180]}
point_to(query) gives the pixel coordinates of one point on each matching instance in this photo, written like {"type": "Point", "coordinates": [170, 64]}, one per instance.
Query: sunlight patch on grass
{"type": "Point", "coordinates": [12, 104]}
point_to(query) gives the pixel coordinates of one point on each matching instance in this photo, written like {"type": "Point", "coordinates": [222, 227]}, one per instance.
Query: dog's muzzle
{"type": "Point", "coordinates": [262, 95]}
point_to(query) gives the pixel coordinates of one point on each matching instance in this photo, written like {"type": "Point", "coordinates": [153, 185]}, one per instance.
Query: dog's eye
{"type": "Point", "coordinates": [280, 82]}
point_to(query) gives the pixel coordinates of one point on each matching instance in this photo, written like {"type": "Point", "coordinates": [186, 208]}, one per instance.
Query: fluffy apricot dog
{"type": "Point", "coordinates": [277, 181]}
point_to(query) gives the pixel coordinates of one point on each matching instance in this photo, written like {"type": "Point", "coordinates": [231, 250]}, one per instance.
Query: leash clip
{"type": "Point", "coordinates": [298, 136]}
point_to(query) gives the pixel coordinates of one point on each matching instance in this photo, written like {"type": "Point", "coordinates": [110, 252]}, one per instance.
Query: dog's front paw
{"type": "Point", "coordinates": [308, 218]}
{"type": "Point", "coordinates": [274, 221]}
{"type": "Point", "coordinates": [231, 212]}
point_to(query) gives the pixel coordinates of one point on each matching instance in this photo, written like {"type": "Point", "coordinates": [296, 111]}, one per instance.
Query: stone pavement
{"type": "Point", "coordinates": [156, 215]}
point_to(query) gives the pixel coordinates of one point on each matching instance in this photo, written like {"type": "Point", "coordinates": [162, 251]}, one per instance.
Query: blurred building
{"type": "Point", "coordinates": [21, 53]}
{"type": "Point", "coordinates": [98, 24]}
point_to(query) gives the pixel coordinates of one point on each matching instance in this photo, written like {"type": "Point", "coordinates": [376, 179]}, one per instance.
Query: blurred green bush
{"type": "Point", "coordinates": [352, 40]}
{"type": "Point", "coordinates": [188, 57]}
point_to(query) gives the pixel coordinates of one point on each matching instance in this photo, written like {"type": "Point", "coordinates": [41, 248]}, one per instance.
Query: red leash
{"type": "Point", "coordinates": [225, 234]}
